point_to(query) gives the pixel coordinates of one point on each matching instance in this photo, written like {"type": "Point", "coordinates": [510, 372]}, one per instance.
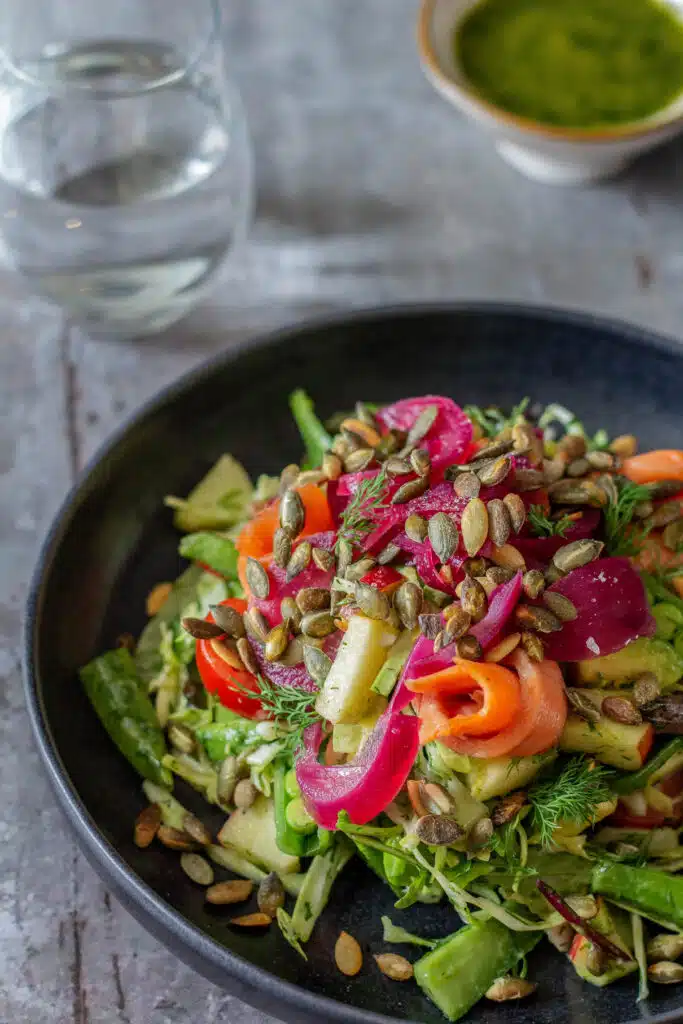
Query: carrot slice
{"type": "Point", "coordinates": [536, 727]}
{"type": "Point", "coordinates": [256, 537]}
{"type": "Point", "coordinates": [648, 468]}
{"type": "Point", "coordinates": [497, 686]}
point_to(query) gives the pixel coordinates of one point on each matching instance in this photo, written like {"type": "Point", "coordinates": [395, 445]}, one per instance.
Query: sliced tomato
{"type": "Point", "coordinates": [384, 577]}
{"type": "Point", "coordinates": [223, 679]}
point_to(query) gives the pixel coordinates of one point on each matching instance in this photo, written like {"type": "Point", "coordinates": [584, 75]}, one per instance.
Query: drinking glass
{"type": "Point", "coordinates": [125, 164]}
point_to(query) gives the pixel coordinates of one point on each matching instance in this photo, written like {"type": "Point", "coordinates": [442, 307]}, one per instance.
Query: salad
{"type": "Point", "coordinates": [450, 644]}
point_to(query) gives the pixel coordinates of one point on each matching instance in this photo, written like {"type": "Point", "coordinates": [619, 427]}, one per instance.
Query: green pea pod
{"type": "Point", "coordinates": [288, 839]}
{"type": "Point", "coordinates": [638, 780]}
{"type": "Point", "coordinates": [655, 894]}
{"type": "Point", "coordinates": [313, 433]}
{"type": "Point", "coordinates": [126, 712]}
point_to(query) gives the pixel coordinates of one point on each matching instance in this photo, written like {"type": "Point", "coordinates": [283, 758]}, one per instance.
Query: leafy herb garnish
{"type": "Point", "coordinates": [620, 537]}
{"type": "Point", "coordinates": [492, 420]}
{"type": "Point", "coordinates": [543, 526]}
{"type": "Point", "coordinates": [290, 706]}
{"type": "Point", "coordinates": [369, 498]}
{"type": "Point", "coordinates": [572, 796]}
{"type": "Point", "coordinates": [570, 424]}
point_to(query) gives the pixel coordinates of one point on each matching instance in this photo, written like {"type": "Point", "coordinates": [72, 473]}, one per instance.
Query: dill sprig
{"type": "Point", "coordinates": [572, 796]}
{"type": "Point", "coordinates": [492, 420]}
{"type": "Point", "coordinates": [543, 526]}
{"type": "Point", "coordinates": [290, 706]}
{"type": "Point", "coordinates": [356, 518]}
{"type": "Point", "coordinates": [621, 538]}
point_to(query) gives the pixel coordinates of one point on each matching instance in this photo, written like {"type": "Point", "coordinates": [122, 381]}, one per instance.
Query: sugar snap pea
{"type": "Point", "coordinates": [126, 712]}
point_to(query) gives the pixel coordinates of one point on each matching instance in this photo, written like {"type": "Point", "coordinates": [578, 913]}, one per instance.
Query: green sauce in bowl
{"type": "Point", "coordinates": [573, 63]}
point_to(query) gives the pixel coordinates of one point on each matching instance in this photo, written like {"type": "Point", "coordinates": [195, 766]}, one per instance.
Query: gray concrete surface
{"type": "Point", "coordinates": [370, 190]}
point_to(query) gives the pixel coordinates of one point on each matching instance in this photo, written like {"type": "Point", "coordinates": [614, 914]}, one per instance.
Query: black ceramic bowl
{"type": "Point", "coordinates": [113, 540]}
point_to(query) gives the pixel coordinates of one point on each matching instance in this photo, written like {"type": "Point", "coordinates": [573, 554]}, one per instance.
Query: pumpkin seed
{"type": "Point", "coordinates": [348, 955]}
{"type": "Point", "coordinates": [372, 602]}
{"type": "Point", "coordinates": [439, 640]}
{"type": "Point", "coordinates": [597, 960]}
{"type": "Point", "coordinates": [388, 554]}
{"type": "Point", "coordinates": [311, 476]}
{"type": "Point", "coordinates": [505, 989]}
{"type": "Point", "coordinates": [540, 620]}
{"type": "Point", "coordinates": [457, 623]}
{"type": "Point", "coordinates": [473, 599]}
{"type": "Point", "coordinates": [577, 492]}
{"type": "Point", "coordinates": [619, 709]}
{"type": "Point", "coordinates": [277, 641]}
{"type": "Point", "coordinates": [533, 645]}
{"type": "Point", "coordinates": [646, 688]}
{"type": "Point", "coordinates": [258, 579]}
{"type": "Point", "coordinates": [560, 606]}
{"type": "Point", "coordinates": [438, 830]}
{"type": "Point", "coordinates": [282, 547]}
{"type": "Point", "coordinates": [573, 446]}
{"type": "Point", "coordinates": [227, 779]}
{"type": "Point", "coordinates": [474, 525]}
{"type": "Point", "coordinates": [258, 920]}
{"type": "Point", "coordinates": [323, 559]}
{"type": "Point", "coordinates": [437, 798]}
{"type": "Point", "coordinates": [508, 557]}
{"type": "Point", "coordinates": [500, 524]}
{"type": "Point", "coordinates": [609, 488]}
{"type": "Point", "coordinates": [228, 619]}
{"type": "Point", "coordinates": [394, 966]}
{"type": "Point", "coordinates": [467, 485]}
{"type": "Point", "coordinates": [256, 624]}
{"type": "Point", "coordinates": [665, 947]}
{"type": "Point", "coordinates": [288, 478]}
{"type": "Point", "coordinates": [181, 738]}
{"type": "Point", "coordinates": [317, 624]}
{"type": "Point", "coordinates": [468, 647]}
{"type": "Point", "coordinates": [197, 868]}
{"type": "Point", "coordinates": [408, 603]}
{"type": "Point", "coordinates": [317, 663]}
{"type": "Point", "coordinates": [583, 706]}
{"type": "Point", "coordinates": [533, 583]}
{"type": "Point", "coordinates": [664, 489]}
{"type": "Point", "coordinates": [508, 808]}
{"type": "Point", "coordinates": [420, 461]}
{"type": "Point", "coordinates": [175, 839]}
{"type": "Point", "coordinates": [667, 513]}
{"type": "Point", "coordinates": [224, 893]}
{"type": "Point", "coordinates": [390, 443]}
{"type": "Point", "coordinates": [561, 937]}
{"type": "Point", "coordinates": [524, 439]}
{"type": "Point", "coordinates": [446, 574]}
{"type": "Point", "coordinates": [498, 574]}
{"type": "Point", "coordinates": [354, 439]}
{"type": "Point", "coordinates": [576, 554]}
{"type": "Point", "coordinates": [365, 415]}
{"type": "Point", "coordinates": [599, 460]}
{"type": "Point", "coordinates": [360, 428]}
{"type": "Point", "coordinates": [289, 609]}
{"type": "Point", "coordinates": [345, 556]}
{"type": "Point", "coordinates": [312, 599]}
{"type": "Point", "coordinates": [201, 629]}
{"type": "Point", "coordinates": [494, 472]}
{"type": "Point", "coordinates": [411, 489]}
{"type": "Point", "coordinates": [245, 794]}
{"type": "Point", "coordinates": [624, 446]}
{"type": "Point", "coordinates": [292, 512]}
{"type": "Point", "coordinates": [332, 466]}
{"type": "Point", "coordinates": [430, 625]}
{"type": "Point", "coordinates": [422, 425]}
{"type": "Point", "coordinates": [665, 973]}
{"type": "Point", "coordinates": [516, 510]}
{"type": "Point", "coordinates": [359, 569]}
{"type": "Point", "coordinates": [299, 561]}
{"type": "Point", "coordinates": [480, 833]}
{"type": "Point", "coordinates": [270, 895]}
{"type": "Point", "coordinates": [443, 536]}
{"type": "Point", "coordinates": [586, 907]}
{"type": "Point", "coordinates": [501, 650]}
{"type": "Point", "coordinates": [359, 460]}
{"type": "Point", "coordinates": [552, 575]}
{"type": "Point", "coordinates": [146, 826]}
{"type": "Point", "coordinates": [397, 466]}
{"type": "Point", "coordinates": [578, 468]}
{"type": "Point", "coordinates": [553, 470]}
{"type": "Point", "coordinates": [529, 479]}
{"type": "Point", "coordinates": [294, 655]}
{"type": "Point", "coordinates": [673, 535]}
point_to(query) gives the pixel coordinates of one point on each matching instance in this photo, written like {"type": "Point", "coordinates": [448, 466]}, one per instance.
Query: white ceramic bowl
{"type": "Point", "coordinates": [556, 156]}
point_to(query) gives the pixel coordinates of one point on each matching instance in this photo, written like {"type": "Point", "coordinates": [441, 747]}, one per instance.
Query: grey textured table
{"type": "Point", "coordinates": [370, 190]}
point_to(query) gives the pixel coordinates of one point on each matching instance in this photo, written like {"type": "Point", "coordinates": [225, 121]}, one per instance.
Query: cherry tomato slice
{"type": "Point", "coordinates": [222, 679]}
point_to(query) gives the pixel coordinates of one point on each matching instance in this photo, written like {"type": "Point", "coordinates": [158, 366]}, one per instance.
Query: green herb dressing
{"type": "Point", "coordinates": [573, 63]}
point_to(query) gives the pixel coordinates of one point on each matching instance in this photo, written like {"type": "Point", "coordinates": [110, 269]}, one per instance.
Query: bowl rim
{"type": "Point", "coordinates": [154, 913]}
{"type": "Point", "coordinates": [642, 129]}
